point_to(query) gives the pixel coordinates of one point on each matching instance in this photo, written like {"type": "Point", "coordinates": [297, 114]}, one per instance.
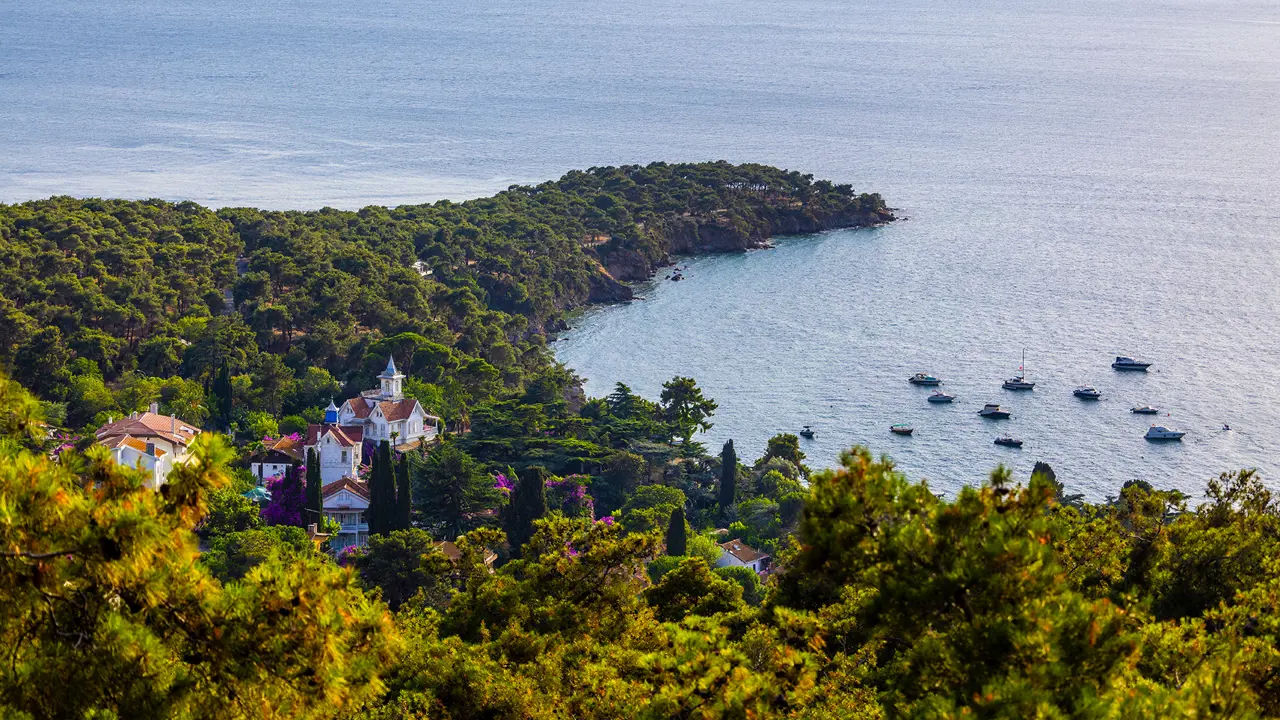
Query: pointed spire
{"type": "Point", "coordinates": [331, 412]}
{"type": "Point", "coordinates": [391, 371]}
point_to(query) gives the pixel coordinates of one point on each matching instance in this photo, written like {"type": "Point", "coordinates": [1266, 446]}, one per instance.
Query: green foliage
{"type": "Point", "coordinates": [315, 488]}
{"type": "Point", "coordinates": [650, 508]}
{"type": "Point", "coordinates": [394, 564]}
{"type": "Point", "coordinates": [450, 490]}
{"type": "Point", "coordinates": [693, 589]}
{"type": "Point", "coordinates": [677, 533]}
{"type": "Point", "coordinates": [107, 612]}
{"type": "Point", "coordinates": [382, 492]}
{"type": "Point", "coordinates": [728, 477]}
{"type": "Point", "coordinates": [233, 555]}
{"type": "Point", "coordinates": [404, 496]}
{"type": "Point", "coordinates": [528, 504]}
{"type": "Point", "coordinates": [752, 588]}
{"type": "Point", "coordinates": [684, 408]}
{"type": "Point", "coordinates": [229, 512]}
{"type": "Point", "coordinates": [784, 446]}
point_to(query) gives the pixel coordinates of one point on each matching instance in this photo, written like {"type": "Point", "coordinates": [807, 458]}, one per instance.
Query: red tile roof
{"type": "Point", "coordinates": [744, 553]}
{"type": "Point", "coordinates": [394, 410]}
{"type": "Point", "coordinates": [346, 483]}
{"type": "Point", "coordinates": [116, 441]}
{"type": "Point", "coordinates": [346, 436]}
{"type": "Point", "coordinates": [359, 407]}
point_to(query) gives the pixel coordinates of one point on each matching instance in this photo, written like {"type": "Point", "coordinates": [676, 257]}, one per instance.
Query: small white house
{"type": "Point", "coordinates": [735, 553]}
{"type": "Point", "coordinates": [345, 502]}
{"type": "Point", "coordinates": [386, 414]}
{"type": "Point", "coordinates": [276, 458]}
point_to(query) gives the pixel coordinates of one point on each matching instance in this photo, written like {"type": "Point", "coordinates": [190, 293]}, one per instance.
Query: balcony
{"type": "Point", "coordinates": [353, 528]}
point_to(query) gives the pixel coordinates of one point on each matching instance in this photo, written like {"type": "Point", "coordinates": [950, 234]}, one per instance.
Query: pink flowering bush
{"type": "Point", "coordinates": [569, 496]}
{"type": "Point", "coordinates": [503, 485]}
{"type": "Point", "coordinates": [288, 499]}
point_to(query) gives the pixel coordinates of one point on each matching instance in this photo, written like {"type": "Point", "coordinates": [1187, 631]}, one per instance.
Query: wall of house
{"type": "Point", "coordinates": [264, 471]}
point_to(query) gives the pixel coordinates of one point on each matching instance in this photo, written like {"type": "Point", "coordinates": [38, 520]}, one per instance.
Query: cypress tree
{"type": "Point", "coordinates": [382, 492]}
{"type": "Point", "coordinates": [728, 476]}
{"type": "Point", "coordinates": [315, 499]}
{"type": "Point", "coordinates": [222, 397]}
{"type": "Point", "coordinates": [404, 495]}
{"type": "Point", "coordinates": [528, 503]}
{"type": "Point", "coordinates": [677, 534]}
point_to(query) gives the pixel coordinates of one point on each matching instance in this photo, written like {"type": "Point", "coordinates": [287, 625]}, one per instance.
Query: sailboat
{"type": "Point", "coordinates": [1019, 381]}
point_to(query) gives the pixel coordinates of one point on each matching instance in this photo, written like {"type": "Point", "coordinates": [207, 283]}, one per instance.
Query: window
{"type": "Point", "coordinates": [344, 456]}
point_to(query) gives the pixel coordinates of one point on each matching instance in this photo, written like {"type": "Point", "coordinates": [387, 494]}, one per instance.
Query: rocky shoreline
{"type": "Point", "coordinates": [710, 234]}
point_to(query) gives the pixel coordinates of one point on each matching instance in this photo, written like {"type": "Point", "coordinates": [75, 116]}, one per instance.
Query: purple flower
{"type": "Point", "coordinates": [607, 520]}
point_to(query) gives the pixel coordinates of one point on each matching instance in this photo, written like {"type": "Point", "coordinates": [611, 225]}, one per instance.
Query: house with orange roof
{"type": "Point", "coordinates": [149, 441]}
{"type": "Point", "coordinates": [276, 457]}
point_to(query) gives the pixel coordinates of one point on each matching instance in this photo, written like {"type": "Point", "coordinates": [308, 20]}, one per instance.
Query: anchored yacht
{"type": "Point", "coordinates": [1160, 432]}
{"type": "Point", "coordinates": [1123, 362]}
{"type": "Point", "coordinates": [1087, 392]}
{"type": "Point", "coordinates": [924, 379]}
{"type": "Point", "coordinates": [993, 411]}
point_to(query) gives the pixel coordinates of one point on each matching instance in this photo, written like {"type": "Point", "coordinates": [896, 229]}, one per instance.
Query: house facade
{"type": "Point", "coordinates": [735, 553]}
{"type": "Point", "coordinates": [276, 458]}
{"type": "Point", "coordinates": [346, 502]}
{"type": "Point", "coordinates": [337, 448]}
{"type": "Point", "coordinates": [386, 414]}
{"type": "Point", "coordinates": [149, 441]}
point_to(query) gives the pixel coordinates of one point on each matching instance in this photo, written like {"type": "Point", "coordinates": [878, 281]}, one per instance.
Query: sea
{"type": "Point", "coordinates": [1075, 181]}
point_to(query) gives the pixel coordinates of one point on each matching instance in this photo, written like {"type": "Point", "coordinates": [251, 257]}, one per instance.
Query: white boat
{"type": "Point", "coordinates": [1124, 362]}
{"type": "Point", "coordinates": [1160, 432]}
{"type": "Point", "coordinates": [1086, 392]}
{"type": "Point", "coordinates": [1144, 410]}
{"type": "Point", "coordinates": [993, 411]}
{"type": "Point", "coordinates": [1019, 381]}
{"type": "Point", "coordinates": [941, 397]}
{"type": "Point", "coordinates": [924, 379]}
{"type": "Point", "coordinates": [901, 429]}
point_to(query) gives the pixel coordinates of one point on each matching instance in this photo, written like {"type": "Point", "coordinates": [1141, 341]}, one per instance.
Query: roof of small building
{"type": "Point", "coordinates": [355, 486]}
{"type": "Point", "coordinates": [394, 410]}
{"type": "Point", "coordinates": [284, 448]}
{"type": "Point", "coordinates": [743, 552]}
{"type": "Point", "coordinates": [346, 436]}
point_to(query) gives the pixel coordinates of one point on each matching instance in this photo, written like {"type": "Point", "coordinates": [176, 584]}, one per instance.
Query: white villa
{"type": "Point", "coordinates": [149, 441]}
{"type": "Point", "coordinates": [345, 502]}
{"type": "Point", "coordinates": [735, 553]}
{"type": "Point", "coordinates": [386, 414]}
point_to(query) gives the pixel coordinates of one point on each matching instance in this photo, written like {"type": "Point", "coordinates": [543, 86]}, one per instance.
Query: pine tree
{"type": "Point", "coordinates": [404, 495]}
{"type": "Point", "coordinates": [315, 498]}
{"type": "Point", "coordinates": [528, 503]}
{"type": "Point", "coordinates": [677, 534]}
{"type": "Point", "coordinates": [382, 492]}
{"type": "Point", "coordinates": [728, 476]}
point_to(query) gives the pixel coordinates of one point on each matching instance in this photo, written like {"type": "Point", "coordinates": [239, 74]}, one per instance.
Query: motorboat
{"type": "Point", "coordinates": [1019, 381]}
{"type": "Point", "coordinates": [1009, 442]}
{"type": "Point", "coordinates": [1087, 392]}
{"type": "Point", "coordinates": [901, 429]}
{"type": "Point", "coordinates": [807, 432]}
{"type": "Point", "coordinates": [1144, 410]}
{"type": "Point", "coordinates": [941, 397]}
{"type": "Point", "coordinates": [1123, 362]}
{"type": "Point", "coordinates": [924, 379]}
{"type": "Point", "coordinates": [1160, 432]}
{"type": "Point", "coordinates": [993, 411]}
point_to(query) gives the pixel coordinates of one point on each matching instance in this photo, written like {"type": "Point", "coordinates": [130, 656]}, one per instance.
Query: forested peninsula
{"type": "Point", "coordinates": [532, 552]}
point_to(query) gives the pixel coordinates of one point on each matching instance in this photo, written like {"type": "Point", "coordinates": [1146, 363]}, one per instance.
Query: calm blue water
{"type": "Point", "coordinates": [1082, 179]}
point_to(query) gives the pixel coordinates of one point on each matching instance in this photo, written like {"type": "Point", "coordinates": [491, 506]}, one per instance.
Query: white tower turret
{"type": "Point", "coordinates": [392, 381]}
